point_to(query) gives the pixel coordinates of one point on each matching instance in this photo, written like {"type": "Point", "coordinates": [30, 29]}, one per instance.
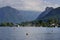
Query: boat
{"type": "Point", "coordinates": [18, 25]}
{"type": "Point", "coordinates": [56, 26]}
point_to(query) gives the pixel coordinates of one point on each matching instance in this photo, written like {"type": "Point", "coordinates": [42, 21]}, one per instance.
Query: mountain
{"type": "Point", "coordinates": [9, 14]}
{"type": "Point", "coordinates": [44, 13]}
{"type": "Point", "coordinates": [29, 15]}
{"type": "Point", "coordinates": [52, 14]}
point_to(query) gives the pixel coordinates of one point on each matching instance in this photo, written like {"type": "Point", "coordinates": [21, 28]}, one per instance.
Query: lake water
{"type": "Point", "coordinates": [34, 33]}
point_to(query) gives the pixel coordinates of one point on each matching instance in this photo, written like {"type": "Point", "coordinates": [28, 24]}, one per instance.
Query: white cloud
{"type": "Point", "coordinates": [49, 4]}
{"type": "Point", "coordinates": [35, 5]}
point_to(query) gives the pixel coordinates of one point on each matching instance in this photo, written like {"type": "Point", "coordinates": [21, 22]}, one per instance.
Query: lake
{"type": "Point", "coordinates": [34, 33]}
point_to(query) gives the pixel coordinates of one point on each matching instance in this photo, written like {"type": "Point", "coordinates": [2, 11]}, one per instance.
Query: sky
{"type": "Point", "coordinates": [33, 5]}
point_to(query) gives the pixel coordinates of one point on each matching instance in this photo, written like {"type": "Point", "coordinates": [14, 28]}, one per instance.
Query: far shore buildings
{"type": "Point", "coordinates": [54, 25]}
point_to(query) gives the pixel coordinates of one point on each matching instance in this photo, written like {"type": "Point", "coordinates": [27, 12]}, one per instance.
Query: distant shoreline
{"type": "Point", "coordinates": [31, 26]}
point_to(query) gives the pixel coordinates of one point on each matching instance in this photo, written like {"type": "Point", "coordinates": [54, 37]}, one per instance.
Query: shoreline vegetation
{"type": "Point", "coordinates": [35, 23]}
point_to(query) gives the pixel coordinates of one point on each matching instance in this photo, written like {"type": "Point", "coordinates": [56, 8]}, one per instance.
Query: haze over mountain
{"type": "Point", "coordinates": [9, 14]}
{"type": "Point", "coordinates": [44, 13]}
{"type": "Point", "coordinates": [50, 13]}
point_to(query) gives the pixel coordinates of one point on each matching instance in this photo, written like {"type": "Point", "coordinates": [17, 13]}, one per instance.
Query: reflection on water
{"type": "Point", "coordinates": [34, 33]}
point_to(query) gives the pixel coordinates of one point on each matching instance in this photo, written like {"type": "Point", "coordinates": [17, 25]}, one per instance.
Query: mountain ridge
{"type": "Point", "coordinates": [9, 14]}
{"type": "Point", "coordinates": [47, 10]}
{"type": "Point", "coordinates": [53, 14]}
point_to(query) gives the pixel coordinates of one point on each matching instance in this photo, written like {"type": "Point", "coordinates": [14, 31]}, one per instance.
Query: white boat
{"type": "Point", "coordinates": [18, 25]}
{"type": "Point", "coordinates": [56, 26]}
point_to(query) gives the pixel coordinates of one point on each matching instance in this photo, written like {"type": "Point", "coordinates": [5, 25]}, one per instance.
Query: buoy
{"type": "Point", "coordinates": [26, 33]}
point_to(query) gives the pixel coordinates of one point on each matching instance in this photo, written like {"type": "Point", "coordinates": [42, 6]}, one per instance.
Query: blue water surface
{"type": "Point", "coordinates": [34, 33]}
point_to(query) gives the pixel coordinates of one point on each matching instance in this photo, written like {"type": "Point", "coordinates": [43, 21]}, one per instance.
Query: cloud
{"type": "Point", "coordinates": [34, 5]}
{"type": "Point", "coordinates": [53, 1]}
{"type": "Point", "coordinates": [51, 4]}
